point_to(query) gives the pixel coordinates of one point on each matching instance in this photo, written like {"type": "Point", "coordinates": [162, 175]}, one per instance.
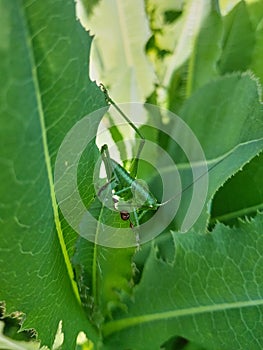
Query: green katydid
{"type": "Point", "coordinates": [123, 183]}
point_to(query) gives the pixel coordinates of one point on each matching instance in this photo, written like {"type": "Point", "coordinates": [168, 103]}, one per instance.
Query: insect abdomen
{"type": "Point", "coordinates": [137, 189]}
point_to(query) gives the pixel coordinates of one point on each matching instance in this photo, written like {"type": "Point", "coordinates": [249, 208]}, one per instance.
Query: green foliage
{"type": "Point", "coordinates": [200, 290]}
{"type": "Point", "coordinates": [209, 293]}
{"type": "Point", "coordinates": [8, 344]}
{"type": "Point", "coordinates": [45, 90]}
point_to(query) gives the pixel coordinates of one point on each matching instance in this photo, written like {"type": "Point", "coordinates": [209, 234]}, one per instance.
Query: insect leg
{"type": "Point", "coordinates": [112, 180]}
{"type": "Point", "coordinates": [135, 228]}
{"type": "Point", "coordinates": [105, 155]}
{"type": "Point", "coordinates": [103, 188]}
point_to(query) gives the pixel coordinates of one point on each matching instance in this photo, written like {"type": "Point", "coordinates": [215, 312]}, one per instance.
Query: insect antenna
{"type": "Point", "coordinates": [190, 185]}
{"type": "Point", "coordinates": [110, 101]}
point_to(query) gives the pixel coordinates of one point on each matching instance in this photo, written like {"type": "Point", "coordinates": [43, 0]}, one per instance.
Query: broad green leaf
{"type": "Point", "coordinates": [206, 52]}
{"type": "Point", "coordinates": [201, 67]}
{"type": "Point", "coordinates": [255, 8]}
{"type": "Point", "coordinates": [193, 346]}
{"type": "Point", "coordinates": [246, 197]}
{"type": "Point", "coordinates": [241, 195]}
{"type": "Point", "coordinates": [226, 116]}
{"type": "Point", "coordinates": [104, 276]}
{"type": "Point", "coordinates": [122, 66]}
{"type": "Point", "coordinates": [238, 40]}
{"type": "Point", "coordinates": [256, 15]}
{"type": "Point", "coordinates": [209, 294]}
{"type": "Point", "coordinates": [46, 90]}
{"type": "Point", "coordinates": [193, 17]}
{"type": "Point", "coordinates": [225, 113]}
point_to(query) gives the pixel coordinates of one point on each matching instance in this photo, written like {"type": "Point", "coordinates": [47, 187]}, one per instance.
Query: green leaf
{"type": "Point", "coordinates": [210, 294]}
{"type": "Point", "coordinates": [185, 285]}
{"type": "Point", "coordinates": [9, 344]}
{"type": "Point", "coordinates": [241, 195]}
{"type": "Point", "coordinates": [104, 276]}
{"type": "Point", "coordinates": [182, 59]}
{"type": "Point", "coordinates": [238, 40]}
{"type": "Point", "coordinates": [255, 10]}
{"type": "Point", "coordinates": [44, 53]}
{"type": "Point", "coordinates": [188, 27]}
{"type": "Point", "coordinates": [226, 117]}
{"type": "Point", "coordinates": [203, 61]}
{"type": "Point", "coordinates": [233, 101]}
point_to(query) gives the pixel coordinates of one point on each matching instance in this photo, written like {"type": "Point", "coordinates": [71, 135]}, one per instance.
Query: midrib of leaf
{"type": "Point", "coordinates": [47, 157]}
{"type": "Point", "coordinates": [115, 326]}
{"type": "Point", "coordinates": [238, 213]}
{"type": "Point", "coordinates": [213, 162]}
{"type": "Point", "coordinates": [94, 263]}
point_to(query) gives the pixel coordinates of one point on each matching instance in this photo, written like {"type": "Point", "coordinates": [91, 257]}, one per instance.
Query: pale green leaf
{"type": "Point", "coordinates": [123, 67]}
{"type": "Point", "coordinates": [227, 5]}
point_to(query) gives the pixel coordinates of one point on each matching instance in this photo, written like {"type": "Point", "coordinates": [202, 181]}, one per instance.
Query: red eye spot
{"type": "Point", "coordinates": [125, 215]}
